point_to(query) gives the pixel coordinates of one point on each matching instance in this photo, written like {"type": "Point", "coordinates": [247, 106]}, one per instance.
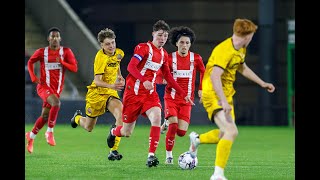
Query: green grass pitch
{"type": "Point", "coordinates": [259, 153]}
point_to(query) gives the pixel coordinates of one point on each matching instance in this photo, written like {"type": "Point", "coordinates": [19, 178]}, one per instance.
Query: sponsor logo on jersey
{"type": "Point", "coordinates": [52, 66]}
{"type": "Point", "coordinates": [153, 65]}
{"type": "Point", "coordinates": [112, 64]}
{"type": "Point", "coordinates": [182, 73]}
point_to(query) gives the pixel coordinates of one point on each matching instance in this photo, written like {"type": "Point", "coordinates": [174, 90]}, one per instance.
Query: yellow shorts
{"type": "Point", "coordinates": [96, 104]}
{"type": "Point", "coordinates": [210, 104]}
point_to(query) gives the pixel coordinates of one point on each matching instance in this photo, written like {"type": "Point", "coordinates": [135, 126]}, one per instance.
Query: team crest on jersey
{"type": "Point", "coordinates": [119, 57]}
{"type": "Point", "coordinates": [57, 59]}
{"type": "Point", "coordinates": [125, 117]}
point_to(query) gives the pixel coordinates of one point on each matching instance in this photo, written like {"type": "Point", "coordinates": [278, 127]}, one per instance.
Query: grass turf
{"type": "Point", "coordinates": [259, 153]}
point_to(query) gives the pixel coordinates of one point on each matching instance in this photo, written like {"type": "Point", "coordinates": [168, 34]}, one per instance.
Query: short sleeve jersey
{"type": "Point", "coordinates": [108, 67]}
{"type": "Point", "coordinates": [226, 57]}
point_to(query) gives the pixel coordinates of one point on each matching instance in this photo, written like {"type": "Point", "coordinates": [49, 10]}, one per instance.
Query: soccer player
{"type": "Point", "coordinates": [140, 95]}
{"type": "Point", "coordinates": [226, 59]}
{"type": "Point", "coordinates": [102, 95]}
{"type": "Point", "coordinates": [54, 61]}
{"type": "Point", "coordinates": [183, 65]}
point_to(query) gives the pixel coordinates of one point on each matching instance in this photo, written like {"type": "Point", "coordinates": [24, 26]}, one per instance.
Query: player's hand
{"type": "Point", "coordinates": [225, 106]}
{"type": "Point", "coordinates": [148, 85]}
{"type": "Point", "coordinates": [269, 87]}
{"type": "Point", "coordinates": [121, 80]}
{"type": "Point", "coordinates": [35, 80]}
{"type": "Point", "coordinates": [118, 86]}
{"type": "Point", "coordinates": [188, 99]}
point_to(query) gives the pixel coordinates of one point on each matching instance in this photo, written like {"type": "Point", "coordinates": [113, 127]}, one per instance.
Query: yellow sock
{"type": "Point", "coordinates": [116, 144]}
{"type": "Point", "coordinates": [223, 152]}
{"type": "Point", "coordinates": [77, 119]}
{"type": "Point", "coordinates": [210, 137]}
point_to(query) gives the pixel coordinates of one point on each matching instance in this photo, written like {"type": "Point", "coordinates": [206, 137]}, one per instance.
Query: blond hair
{"type": "Point", "coordinates": [106, 33]}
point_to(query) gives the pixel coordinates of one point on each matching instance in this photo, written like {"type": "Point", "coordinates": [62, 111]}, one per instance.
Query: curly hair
{"type": "Point", "coordinates": [106, 33]}
{"type": "Point", "coordinates": [176, 32]}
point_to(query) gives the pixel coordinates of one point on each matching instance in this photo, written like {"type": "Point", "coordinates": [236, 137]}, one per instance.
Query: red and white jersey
{"type": "Point", "coordinates": [151, 60]}
{"type": "Point", "coordinates": [184, 70]}
{"type": "Point", "coordinates": [52, 72]}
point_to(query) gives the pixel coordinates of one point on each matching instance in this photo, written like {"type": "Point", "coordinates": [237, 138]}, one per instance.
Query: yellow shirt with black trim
{"type": "Point", "coordinates": [108, 67]}
{"type": "Point", "coordinates": [226, 57]}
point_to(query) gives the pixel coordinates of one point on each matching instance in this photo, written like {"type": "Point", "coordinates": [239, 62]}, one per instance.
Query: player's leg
{"type": "Point", "coordinates": [38, 125]}
{"type": "Point", "coordinates": [115, 108]}
{"type": "Point", "coordinates": [154, 115]}
{"type": "Point", "coordinates": [210, 137]}
{"type": "Point", "coordinates": [95, 106]}
{"type": "Point", "coordinates": [229, 131]}
{"type": "Point", "coordinates": [54, 102]}
{"type": "Point", "coordinates": [170, 138]}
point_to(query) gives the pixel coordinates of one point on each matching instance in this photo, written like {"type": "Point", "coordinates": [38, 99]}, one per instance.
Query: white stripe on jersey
{"type": "Point", "coordinates": [149, 65]}
{"type": "Point", "coordinates": [182, 73]}
{"type": "Point", "coordinates": [52, 66]}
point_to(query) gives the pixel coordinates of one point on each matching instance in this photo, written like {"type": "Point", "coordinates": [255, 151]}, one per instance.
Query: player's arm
{"type": "Point", "coordinates": [201, 69]}
{"type": "Point", "coordinates": [215, 77]}
{"type": "Point", "coordinates": [133, 70]}
{"type": "Point", "coordinates": [33, 59]}
{"type": "Point", "coordinates": [168, 77]}
{"type": "Point", "coordinates": [120, 77]}
{"type": "Point", "coordinates": [100, 83]}
{"type": "Point", "coordinates": [249, 74]}
{"type": "Point", "coordinates": [70, 61]}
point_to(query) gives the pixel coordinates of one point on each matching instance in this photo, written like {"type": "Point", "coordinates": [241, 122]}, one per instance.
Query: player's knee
{"type": "Point", "coordinates": [181, 133]}
{"type": "Point", "coordinates": [235, 133]}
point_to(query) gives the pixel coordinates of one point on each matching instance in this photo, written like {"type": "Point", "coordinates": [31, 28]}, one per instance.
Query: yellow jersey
{"type": "Point", "coordinates": [108, 67]}
{"type": "Point", "coordinates": [226, 57]}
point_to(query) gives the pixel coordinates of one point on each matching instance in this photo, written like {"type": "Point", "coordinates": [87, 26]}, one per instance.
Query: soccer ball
{"type": "Point", "coordinates": [187, 161]}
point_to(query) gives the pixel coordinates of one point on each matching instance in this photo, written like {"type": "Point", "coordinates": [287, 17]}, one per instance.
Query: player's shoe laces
{"type": "Point", "coordinates": [29, 143]}
{"type": "Point", "coordinates": [152, 161]}
{"type": "Point", "coordinates": [50, 138]}
{"type": "Point", "coordinates": [111, 139]}
{"type": "Point", "coordinates": [164, 126]}
{"type": "Point", "coordinates": [114, 155]}
{"type": "Point", "coordinates": [169, 160]}
{"type": "Point", "coordinates": [218, 177]}
{"type": "Point", "coordinates": [73, 119]}
{"type": "Point", "coordinates": [194, 141]}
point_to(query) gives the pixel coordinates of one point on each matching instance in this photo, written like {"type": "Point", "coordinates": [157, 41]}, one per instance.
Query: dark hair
{"type": "Point", "coordinates": [176, 32]}
{"type": "Point", "coordinates": [53, 29]}
{"type": "Point", "coordinates": [161, 25]}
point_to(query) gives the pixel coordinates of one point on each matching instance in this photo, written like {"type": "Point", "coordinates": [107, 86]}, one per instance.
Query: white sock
{"type": "Point", "coordinates": [218, 171]}
{"type": "Point", "coordinates": [49, 129]}
{"type": "Point", "coordinates": [150, 154]}
{"type": "Point", "coordinates": [168, 154]}
{"type": "Point", "coordinates": [32, 135]}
